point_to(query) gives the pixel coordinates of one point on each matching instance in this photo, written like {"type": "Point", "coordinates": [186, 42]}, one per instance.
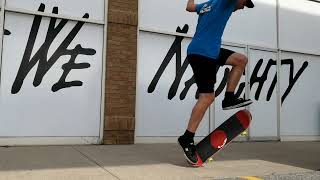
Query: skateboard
{"type": "Point", "coordinates": [222, 136]}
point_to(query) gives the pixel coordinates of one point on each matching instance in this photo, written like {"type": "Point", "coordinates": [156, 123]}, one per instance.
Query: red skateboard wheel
{"type": "Point", "coordinates": [244, 117]}
{"type": "Point", "coordinates": [218, 139]}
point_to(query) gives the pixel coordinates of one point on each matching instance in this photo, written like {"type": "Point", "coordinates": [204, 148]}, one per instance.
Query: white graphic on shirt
{"type": "Point", "coordinates": [205, 9]}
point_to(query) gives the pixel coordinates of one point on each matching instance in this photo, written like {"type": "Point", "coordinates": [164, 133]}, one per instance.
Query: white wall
{"type": "Point", "coordinates": [255, 26]}
{"type": "Point", "coordinates": [264, 108]}
{"type": "Point", "coordinates": [46, 108]}
{"type": "Point", "coordinates": [299, 26]}
{"type": "Point", "coordinates": [300, 112]}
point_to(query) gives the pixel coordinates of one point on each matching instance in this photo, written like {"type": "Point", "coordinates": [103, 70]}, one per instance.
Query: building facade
{"type": "Point", "coordinates": [115, 71]}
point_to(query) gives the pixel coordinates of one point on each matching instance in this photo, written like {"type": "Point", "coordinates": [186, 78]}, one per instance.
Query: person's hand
{"type": "Point", "coordinates": [191, 7]}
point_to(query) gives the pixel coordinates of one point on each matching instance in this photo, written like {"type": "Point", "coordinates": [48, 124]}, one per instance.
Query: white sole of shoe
{"type": "Point", "coordinates": [238, 105]}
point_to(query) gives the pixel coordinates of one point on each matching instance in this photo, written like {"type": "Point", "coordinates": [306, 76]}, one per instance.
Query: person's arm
{"type": "Point", "coordinates": [191, 7]}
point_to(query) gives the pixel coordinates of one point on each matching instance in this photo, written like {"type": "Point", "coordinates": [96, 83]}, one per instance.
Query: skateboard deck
{"type": "Point", "coordinates": [222, 135]}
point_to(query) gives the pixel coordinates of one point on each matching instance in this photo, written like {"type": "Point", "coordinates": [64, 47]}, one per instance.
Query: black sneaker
{"type": "Point", "coordinates": [189, 150]}
{"type": "Point", "coordinates": [232, 103]}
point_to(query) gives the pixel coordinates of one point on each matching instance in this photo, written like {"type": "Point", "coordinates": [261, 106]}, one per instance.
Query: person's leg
{"type": "Point", "coordinates": [205, 78]}
{"type": "Point", "coordinates": [198, 111]}
{"type": "Point", "coordinates": [186, 140]}
{"type": "Point", "coordinates": [238, 62]}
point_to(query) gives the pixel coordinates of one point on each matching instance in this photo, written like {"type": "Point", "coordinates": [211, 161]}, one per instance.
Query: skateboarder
{"type": "Point", "coordinates": [204, 55]}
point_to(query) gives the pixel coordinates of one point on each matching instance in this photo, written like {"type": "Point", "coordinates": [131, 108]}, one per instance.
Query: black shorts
{"type": "Point", "coordinates": [205, 69]}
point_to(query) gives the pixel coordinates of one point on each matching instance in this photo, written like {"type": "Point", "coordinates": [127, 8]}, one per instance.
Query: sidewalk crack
{"type": "Point", "coordinates": [95, 162]}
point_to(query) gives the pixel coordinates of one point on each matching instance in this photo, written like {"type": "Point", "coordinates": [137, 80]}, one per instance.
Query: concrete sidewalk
{"type": "Point", "coordinates": [253, 160]}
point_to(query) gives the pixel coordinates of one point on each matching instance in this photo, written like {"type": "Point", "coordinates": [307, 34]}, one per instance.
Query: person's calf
{"type": "Point", "coordinates": [198, 111]}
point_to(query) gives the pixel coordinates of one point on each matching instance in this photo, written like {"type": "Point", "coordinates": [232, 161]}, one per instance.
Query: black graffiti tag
{"type": "Point", "coordinates": [175, 49]}
{"type": "Point", "coordinates": [41, 56]}
{"type": "Point", "coordinates": [292, 79]}
{"type": "Point", "coordinates": [263, 78]}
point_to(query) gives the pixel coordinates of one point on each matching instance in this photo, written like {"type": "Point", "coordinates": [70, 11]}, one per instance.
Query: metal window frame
{"type": "Point", "coordinates": [60, 140]}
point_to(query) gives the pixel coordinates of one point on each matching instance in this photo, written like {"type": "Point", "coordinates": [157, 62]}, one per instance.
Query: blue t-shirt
{"type": "Point", "coordinates": [213, 17]}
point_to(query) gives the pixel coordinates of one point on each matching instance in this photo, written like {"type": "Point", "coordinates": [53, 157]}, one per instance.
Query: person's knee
{"type": "Point", "coordinates": [238, 60]}
{"type": "Point", "coordinates": [207, 98]}
{"type": "Point", "coordinates": [242, 60]}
